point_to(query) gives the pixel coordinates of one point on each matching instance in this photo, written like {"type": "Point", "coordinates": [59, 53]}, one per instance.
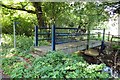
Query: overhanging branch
{"type": "Point", "coordinates": [22, 9]}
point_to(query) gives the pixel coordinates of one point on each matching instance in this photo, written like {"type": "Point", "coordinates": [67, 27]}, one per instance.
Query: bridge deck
{"type": "Point", "coordinates": [68, 47]}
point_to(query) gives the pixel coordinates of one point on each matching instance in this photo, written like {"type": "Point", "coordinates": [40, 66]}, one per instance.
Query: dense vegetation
{"type": "Point", "coordinates": [63, 14]}
{"type": "Point", "coordinates": [20, 62]}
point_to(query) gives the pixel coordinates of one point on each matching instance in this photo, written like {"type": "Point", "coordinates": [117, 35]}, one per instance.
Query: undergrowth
{"type": "Point", "coordinates": [19, 63]}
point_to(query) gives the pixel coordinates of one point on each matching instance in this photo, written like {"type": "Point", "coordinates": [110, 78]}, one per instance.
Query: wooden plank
{"type": "Point", "coordinates": [68, 47]}
{"type": "Point", "coordinates": [81, 47]}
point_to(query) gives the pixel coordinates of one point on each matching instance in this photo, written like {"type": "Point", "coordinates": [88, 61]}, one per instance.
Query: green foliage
{"type": "Point", "coordinates": [76, 13]}
{"type": "Point", "coordinates": [22, 42]}
{"type": "Point", "coordinates": [19, 63]}
{"type": "Point", "coordinates": [116, 47]}
{"type": "Point", "coordinates": [53, 65]}
{"type": "Point", "coordinates": [42, 43]}
{"type": "Point", "coordinates": [12, 57]}
{"type": "Point", "coordinates": [25, 22]}
{"type": "Point", "coordinates": [85, 14]}
{"type": "Point", "coordinates": [91, 13]}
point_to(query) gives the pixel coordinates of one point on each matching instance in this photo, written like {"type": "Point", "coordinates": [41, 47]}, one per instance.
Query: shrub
{"type": "Point", "coordinates": [55, 65]}
{"type": "Point", "coordinates": [22, 42]}
{"type": "Point", "coordinates": [52, 65]}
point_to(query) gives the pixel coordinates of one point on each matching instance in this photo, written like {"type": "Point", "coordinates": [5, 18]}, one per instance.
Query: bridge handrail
{"type": "Point", "coordinates": [54, 35]}
{"type": "Point", "coordinates": [60, 28]}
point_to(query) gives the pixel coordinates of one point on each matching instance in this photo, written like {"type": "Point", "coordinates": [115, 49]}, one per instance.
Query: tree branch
{"type": "Point", "coordinates": [22, 9]}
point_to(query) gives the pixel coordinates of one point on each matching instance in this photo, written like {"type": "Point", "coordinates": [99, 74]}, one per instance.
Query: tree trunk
{"type": "Point", "coordinates": [38, 10]}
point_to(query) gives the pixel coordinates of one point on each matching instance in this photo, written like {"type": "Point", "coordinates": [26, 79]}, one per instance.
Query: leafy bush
{"type": "Point", "coordinates": [25, 21]}
{"type": "Point", "coordinates": [54, 65]}
{"type": "Point", "coordinates": [22, 42]}
{"type": "Point", "coordinates": [19, 62]}
{"type": "Point", "coordinates": [116, 47]}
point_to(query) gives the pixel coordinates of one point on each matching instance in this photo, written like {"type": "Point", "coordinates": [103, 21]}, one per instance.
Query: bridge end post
{"type": "Point", "coordinates": [88, 39]}
{"type": "Point", "coordinates": [53, 37]}
{"type": "Point", "coordinates": [103, 39]}
{"type": "Point", "coordinates": [36, 36]}
{"type": "Point", "coordinates": [108, 36]}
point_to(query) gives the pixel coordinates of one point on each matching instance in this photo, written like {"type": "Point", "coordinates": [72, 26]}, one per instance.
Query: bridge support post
{"type": "Point", "coordinates": [108, 36]}
{"type": "Point", "coordinates": [88, 39]}
{"type": "Point", "coordinates": [102, 43]}
{"type": "Point", "coordinates": [53, 37]}
{"type": "Point", "coordinates": [36, 36]}
{"type": "Point", "coordinates": [14, 27]}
